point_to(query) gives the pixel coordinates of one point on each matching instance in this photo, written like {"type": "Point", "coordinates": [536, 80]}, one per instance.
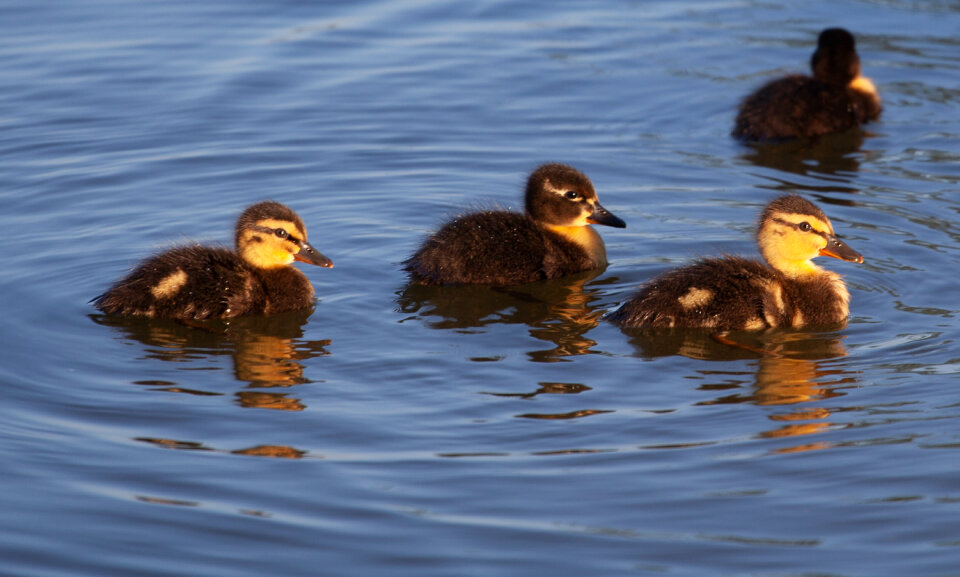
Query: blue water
{"type": "Point", "coordinates": [397, 430]}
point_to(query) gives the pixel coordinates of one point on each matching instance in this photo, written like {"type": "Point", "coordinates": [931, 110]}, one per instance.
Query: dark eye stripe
{"type": "Point", "coordinates": [797, 226]}
{"type": "Point", "coordinates": [272, 231]}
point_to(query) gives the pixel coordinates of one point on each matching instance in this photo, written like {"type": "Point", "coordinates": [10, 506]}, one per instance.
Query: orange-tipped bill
{"type": "Point", "coordinates": [837, 249]}
{"type": "Point", "coordinates": [310, 255]}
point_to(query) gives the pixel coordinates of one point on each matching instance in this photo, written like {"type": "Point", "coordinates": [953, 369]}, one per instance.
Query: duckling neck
{"type": "Point", "coordinates": [795, 269]}
{"type": "Point", "coordinates": [586, 238]}
{"type": "Point", "coordinates": [865, 85]}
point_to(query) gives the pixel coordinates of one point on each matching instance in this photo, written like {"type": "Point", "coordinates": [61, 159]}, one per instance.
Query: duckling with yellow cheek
{"type": "Point", "coordinates": [550, 240]}
{"type": "Point", "coordinates": [198, 282]}
{"type": "Point", "coordinates": [835, 99]}
{"type": "Point", "coordinates": [736, 293]}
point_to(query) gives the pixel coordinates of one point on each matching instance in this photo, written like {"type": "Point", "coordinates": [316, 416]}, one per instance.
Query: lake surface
{"type": "Point", "coordinates": [399, 430]}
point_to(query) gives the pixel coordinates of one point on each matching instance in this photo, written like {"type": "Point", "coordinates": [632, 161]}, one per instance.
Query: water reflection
{"type": "Point", "coordinates": [788, 368]}
{"type": "Point", "coordinates": [274, 451]}
{"type": "Point", "coordinates": [831, 158]}
{"type": "Point", "coordinates": [559, 311]}
{"type": "Point", "coordinates": [267, 352]}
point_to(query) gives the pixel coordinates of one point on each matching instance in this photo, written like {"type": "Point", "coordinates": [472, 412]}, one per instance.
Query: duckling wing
{"type": "Point", "coordinates": [191, 282]}
{"type": "Point", "coordinates": [723, 293]}
{"type": "Point", "coordinates": [493, 247]}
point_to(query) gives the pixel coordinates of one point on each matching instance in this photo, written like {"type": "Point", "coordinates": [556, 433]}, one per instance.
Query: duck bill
{"type": "Point", "coordinates": [603, 216]}
{"type": "Point", "coordinates": [310, 255]}
{"type": "Point", "coordinates": [837, 249]}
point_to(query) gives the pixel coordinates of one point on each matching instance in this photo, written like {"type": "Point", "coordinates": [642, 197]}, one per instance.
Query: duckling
{"type": "Point", "coordinates": [199, 282]}
{"type": "Point", "coordinates": [835, 99]}
{"type": "Point", "coordinates": [737, 293]}
{"type": "Point", "coordinates": [496, 247]}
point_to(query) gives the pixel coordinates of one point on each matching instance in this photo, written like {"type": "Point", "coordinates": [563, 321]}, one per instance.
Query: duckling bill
{"type": "Point", "coordinates": [737, 293]}
{"type": "Point", "coordinates": [199, 282]}
{"type": "Point", "coordinates": [551, 239]}
{"type": "Point", "coordinates": [836, 98]}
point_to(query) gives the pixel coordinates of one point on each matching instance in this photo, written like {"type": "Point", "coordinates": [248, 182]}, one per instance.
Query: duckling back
{"type": "Point", "coordinates": [801, 107]}
{"type": "Point", "coordinates": [197, 282]}
{"type": "Point", "coordinates": [497, 248]}
{"type": "Point", "coordinates": [733, 293]}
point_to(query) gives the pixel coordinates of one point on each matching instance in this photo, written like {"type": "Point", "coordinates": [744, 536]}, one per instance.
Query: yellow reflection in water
{"type": "Point", "coordinates": [266, 352]}
{"type": "Point", "coordinates": [560, 312]}
{"type": "Point", "coordinates": [790, 368]}
{"type": "Point", "coordinates": [275, 451]}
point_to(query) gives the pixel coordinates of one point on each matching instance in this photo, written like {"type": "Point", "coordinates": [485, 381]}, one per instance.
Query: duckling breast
{"type": "Point", "coordinates": [821, 300]}
{"type": "Point", "coordinates": [587, 239]}
{"type": "Point", "coordinates": [285, 289]}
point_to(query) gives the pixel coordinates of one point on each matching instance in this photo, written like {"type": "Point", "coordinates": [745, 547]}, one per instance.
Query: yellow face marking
{"type": "Point", "coordinates": [586, 195]}
{"type": "Point", "coordinates": [586, 204]}
{"type": "Point", "coordinates": [286, 225]}
{"type": "Point", "coordinates": [695, 297]}
{"type": "Point", "coordinates": [586, 237]}
{"type": "Point", "coordinates": [170, 285]}
{"type": "Point", "coordinates": [788, 248]}
{"type": "Point", "coordinates": [267, 250]}
{"type": "Point", "coordinates": [754, 324]}
{"type": "Point", "coordinates": [814, 222]}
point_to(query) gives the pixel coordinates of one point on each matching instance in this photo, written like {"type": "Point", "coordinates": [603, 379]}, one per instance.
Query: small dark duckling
{"type": "Point", "coordinates": [550, 240]}
{"type": "Point", "coordinates": [736, 293]}
{"type": "Point", "coordinates": [835, 99]}
{"type": "Point", "coordinates": [199, 282]}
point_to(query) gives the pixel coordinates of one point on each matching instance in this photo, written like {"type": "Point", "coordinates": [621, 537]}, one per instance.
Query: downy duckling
{"type": "Point", "coordinates": [835, 99]}
{"type": "Point", "coordinates": [736, 293]}
{"type": "Point", "coordinates": [495, 247]}
{"type": "Point", "coordinates": [198, 282]}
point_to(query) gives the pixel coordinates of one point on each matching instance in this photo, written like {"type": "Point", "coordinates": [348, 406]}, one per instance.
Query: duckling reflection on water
{"type": "Point", "coordinates": [266, 351]}
{"type": "Point", "coordinates": [560, 311]}
{"type": "Point", "coordinates": [552, 239]}
{"type": "Point", "coordinates": [835, 99]}
{"type": "Point", "coordinates": [736, 293]}
{"type": "Point", "coordinates": [198, 282]}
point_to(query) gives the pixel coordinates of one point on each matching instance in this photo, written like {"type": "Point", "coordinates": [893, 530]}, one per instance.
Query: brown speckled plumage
{"type": "Point", "coordinates": [505, 248]}
{"type": "Point", "coordinates": [800, 106]}
{"type": "Point", "coordinates": [198, 282]}
{"type": "Point", "coordinates": [736, 293]}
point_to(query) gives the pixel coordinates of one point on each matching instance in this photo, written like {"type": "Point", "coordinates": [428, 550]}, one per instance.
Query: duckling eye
{"type": "Point", "coordinates": [805, 227]}
{"type": "Point", "coordinates": [572, 194]}
{"type": "Point", "coordinates": [281, 233]}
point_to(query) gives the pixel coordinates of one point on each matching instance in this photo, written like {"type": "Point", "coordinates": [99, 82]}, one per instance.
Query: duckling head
{"type": "Point", "coordinates": [270, 235]}
{"type": "Point", "coordinates": [835, 61]}
{"type": "Point", "coordinates": [561, 196]}
{"type": "Point", "coordinates": [793, 231]}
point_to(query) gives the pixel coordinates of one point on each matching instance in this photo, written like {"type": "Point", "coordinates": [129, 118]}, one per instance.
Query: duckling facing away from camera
{"type": "Point", "coordinates": [199, 282]}
{"type": "Point", "coordinates": [736, 293]}
{"type": "Point", "coordinates": [835, 99]}
{"type": "Point", "coordinates": [495, 247]}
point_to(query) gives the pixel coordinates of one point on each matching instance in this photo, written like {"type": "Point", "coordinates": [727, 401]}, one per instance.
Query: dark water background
{"type": "Point", "coordinates": [399, 431]}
